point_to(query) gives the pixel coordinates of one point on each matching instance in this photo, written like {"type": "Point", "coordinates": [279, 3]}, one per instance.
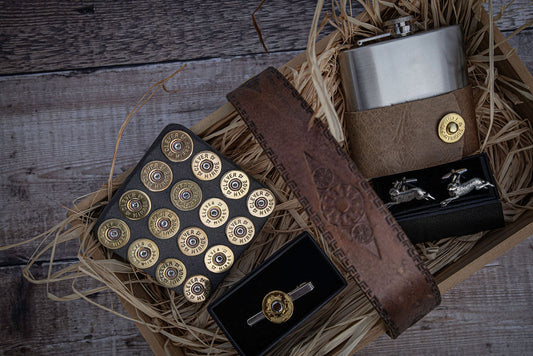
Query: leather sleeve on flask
{"type": "Point", "coordinates": [359, 229]}
{"type": "Point", "coordinates": [404, 137]}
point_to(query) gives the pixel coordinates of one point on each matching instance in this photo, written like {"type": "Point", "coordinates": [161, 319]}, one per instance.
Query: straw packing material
{"type": "Point", "coordinates": [341, 325]}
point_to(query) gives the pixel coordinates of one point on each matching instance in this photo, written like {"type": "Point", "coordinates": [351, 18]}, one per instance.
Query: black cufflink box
{"type": "Point", "coordinates": [426, 220]}
{"type": "Point", "coordinates": [298, 262]}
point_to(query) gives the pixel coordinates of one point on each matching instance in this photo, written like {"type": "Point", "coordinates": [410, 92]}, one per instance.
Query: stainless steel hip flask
{"type": "Point", "coordinates": [405, 68]}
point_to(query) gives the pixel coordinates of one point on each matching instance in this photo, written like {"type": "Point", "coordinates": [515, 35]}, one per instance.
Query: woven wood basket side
{"type": "Point", "coordinates": [490, 247]}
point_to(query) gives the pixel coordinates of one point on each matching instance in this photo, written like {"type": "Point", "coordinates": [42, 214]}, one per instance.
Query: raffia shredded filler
{"type": "Point", "coordinates": [341, 325]}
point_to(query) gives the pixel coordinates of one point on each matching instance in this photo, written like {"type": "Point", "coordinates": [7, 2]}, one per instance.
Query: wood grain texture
{"type": "Point", "coordinates": [524, 47]}
{"type": "Point", "coordinates": [488, 314]}
{"type": "Point", "coordinates": [31, 324]}
{"type": "Point", "coordinates": [38, 36]}
{"type": "Point", "coordinates": [58, 131]}
{"type": "Point", "coordinates": [49, 35]}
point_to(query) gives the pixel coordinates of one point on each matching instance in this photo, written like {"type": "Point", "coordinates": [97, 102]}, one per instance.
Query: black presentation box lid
{"type": "Point", "coordinates": [298, 262]}
{"type": "Point", "coordinates": [426, 220]}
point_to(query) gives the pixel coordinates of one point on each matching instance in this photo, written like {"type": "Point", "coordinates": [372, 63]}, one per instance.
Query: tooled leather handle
{"type": "Point", "coordinates": [360, 230]}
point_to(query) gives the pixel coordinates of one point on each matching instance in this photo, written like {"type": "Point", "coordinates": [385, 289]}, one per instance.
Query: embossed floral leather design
{"type": "Point", "coordinates": [360, 230]}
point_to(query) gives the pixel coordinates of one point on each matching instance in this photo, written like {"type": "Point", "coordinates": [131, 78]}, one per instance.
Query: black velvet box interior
{"type": "Point", "coordinates": [427, 220]}
{"type": "Point", "coordinates": [299, 261]}
{"type": "Point", "coordinates": [210, 189]}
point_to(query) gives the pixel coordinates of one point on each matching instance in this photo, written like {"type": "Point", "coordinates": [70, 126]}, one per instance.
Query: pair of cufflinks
{"type": "Point", "coordinates": [404, 190]}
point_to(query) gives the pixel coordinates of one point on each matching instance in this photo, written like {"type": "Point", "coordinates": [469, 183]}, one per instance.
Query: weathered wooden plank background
{"type": "Point", "coordinates": [70, 72]}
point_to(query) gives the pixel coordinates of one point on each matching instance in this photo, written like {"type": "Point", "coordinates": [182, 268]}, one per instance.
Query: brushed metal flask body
{"type": "Point", "coordinates": [399, 70]}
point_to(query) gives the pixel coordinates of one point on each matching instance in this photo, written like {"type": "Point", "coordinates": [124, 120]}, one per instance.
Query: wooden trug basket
{"type": "Point", "coordinates": [490, 247]}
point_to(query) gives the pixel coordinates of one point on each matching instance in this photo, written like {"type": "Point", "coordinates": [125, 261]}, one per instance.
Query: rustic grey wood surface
{"type": "Point", "coordinates": [69, 74]}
